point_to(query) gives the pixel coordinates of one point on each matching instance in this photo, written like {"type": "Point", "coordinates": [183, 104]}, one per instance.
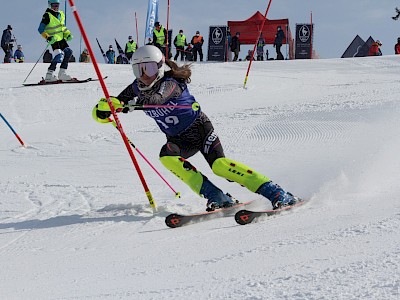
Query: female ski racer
{"type": "Point", "coordinates": [188, 130]}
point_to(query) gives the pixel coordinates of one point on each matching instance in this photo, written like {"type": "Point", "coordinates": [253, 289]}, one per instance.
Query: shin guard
{"type": "Point", "coordinates": [184, 171]}
{"type": "Point", "coordinates": [238, 172]}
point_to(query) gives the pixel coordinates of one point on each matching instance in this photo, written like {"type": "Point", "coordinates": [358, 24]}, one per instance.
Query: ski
{"type": "Point", "coordinates": [177, 220]}
{"type": "Point", "coordinates": [244, 216]}
{"type": "Point", "coordinates": [43, 82]}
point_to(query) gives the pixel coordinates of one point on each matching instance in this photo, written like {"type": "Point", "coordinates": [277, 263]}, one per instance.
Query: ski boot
{"type": "Point", "coordinates": [62, 75]}
{"type": "Point", "coordinates": [278, 197]}
{"type": "Point", "coordinates": [50, 77]}
{"type": "Point", "coordinates": [216, 198]}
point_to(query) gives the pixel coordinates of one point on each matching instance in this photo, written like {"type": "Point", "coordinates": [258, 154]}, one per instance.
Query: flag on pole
{"type": "Point", "coordinates": [152, 17]}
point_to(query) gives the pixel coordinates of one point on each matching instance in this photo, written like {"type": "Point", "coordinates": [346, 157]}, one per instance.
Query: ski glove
{"type": "Point", "coordinates": [101, 116]}
{"type": "Point", "coordinates": [51, 40]}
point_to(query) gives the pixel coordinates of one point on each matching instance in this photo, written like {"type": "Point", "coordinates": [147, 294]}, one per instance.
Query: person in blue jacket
{"type": "Point", "coordinates": [52, 28]}
{"type": "Point", "coordinates": [188, 130]}
{"type": "Point", "coordinates": [7, 44]}
{"type": "Point", "coordinates": [110, 55]}
{"type": "Point", "coordinates": [19, 55]}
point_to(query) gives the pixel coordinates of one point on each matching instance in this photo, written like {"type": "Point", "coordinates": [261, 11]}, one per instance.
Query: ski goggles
{"type": "Point", "coordinates": [149, 68]}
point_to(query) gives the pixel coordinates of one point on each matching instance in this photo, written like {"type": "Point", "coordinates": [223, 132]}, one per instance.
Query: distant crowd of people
{"type": "Point", "coordinates": [191, 51]}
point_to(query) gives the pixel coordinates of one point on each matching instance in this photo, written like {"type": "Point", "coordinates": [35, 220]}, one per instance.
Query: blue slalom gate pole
{"type": "Point", "coordinates": [12, 129]}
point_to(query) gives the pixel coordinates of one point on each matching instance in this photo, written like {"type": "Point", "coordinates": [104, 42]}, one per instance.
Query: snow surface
{"type": "Point", "coordinates": [75, 222]}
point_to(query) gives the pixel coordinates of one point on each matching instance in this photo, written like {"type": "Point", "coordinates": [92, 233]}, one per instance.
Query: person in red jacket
{"type": "Point", "coordinates": [397, 47]}
{"type": "Point", "coordinates": [375, 50]}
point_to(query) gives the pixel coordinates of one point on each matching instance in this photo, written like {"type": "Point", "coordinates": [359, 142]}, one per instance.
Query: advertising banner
{"type": "Point", "coordinates": [217, 46]}
{"type": "Point", "coordinates": [303, 41]}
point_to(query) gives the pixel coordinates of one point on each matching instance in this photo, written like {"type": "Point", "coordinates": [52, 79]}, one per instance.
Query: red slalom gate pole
{"type": "Point", "coordinates": [255, 45]}
{"type": "Point", "coordinates": [114, 113]}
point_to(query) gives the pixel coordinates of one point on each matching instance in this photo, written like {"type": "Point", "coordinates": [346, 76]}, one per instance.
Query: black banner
{"type": "Point", "coordinates": [217, 45]}
{"type": "Point", "coordinates": [303, 41]}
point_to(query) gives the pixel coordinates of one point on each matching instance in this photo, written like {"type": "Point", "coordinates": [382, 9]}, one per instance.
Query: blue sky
{"type": "Point", "coordinates": [336, 22]}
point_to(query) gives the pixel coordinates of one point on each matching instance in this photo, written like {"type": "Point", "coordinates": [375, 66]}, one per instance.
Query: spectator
{"type": "Point", "coordinates": [85, 57]}
{"type": "Point", "coordinates": [250, 55]}
{"type": "Point", "coordinates": [189, 52]}
{"type": "Point", "coordinates": [279, 37]}
{"type": "Point", "coordinates": [160, 37]}
{"type": "Point", "coordinates": [53, 29]}
{"type": "Point", "coordinates": [228, 41]}
{"type": "Point", "coordinates": [7, 44]}
{"type": "Point", "coordinates": [397, 47]}
{"type": "Point", "coordinates": [19, 55]}
{"type": "Point", "coordinates": [235, 46]}
{"type": "Point", "coordinates": [47, 56]}
{"type": "Point", "coordinates": [110, 55]}
{"type": "Point", "coordinates": [260, 47]}
{"type": "Point", "coordinates": [180, 43]}
{"type": "Point", "coordinates": [197, 42]}
{"type": "Point", "coordinates": [130, 48]}
{"type": "Point", "coordinates": [375, 50]}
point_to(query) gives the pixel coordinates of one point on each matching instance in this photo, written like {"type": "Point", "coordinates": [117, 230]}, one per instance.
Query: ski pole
{"type": "Point", "coordinates": [47, 46]}
{"type": "Point", "coordinates": [12, 129]}
{"type": "Point", "coordinates": [177, 194]}
{"type": "Point", "coordinates": [112, 108]}
{"type": "Point", "coordinates": [195, 106]}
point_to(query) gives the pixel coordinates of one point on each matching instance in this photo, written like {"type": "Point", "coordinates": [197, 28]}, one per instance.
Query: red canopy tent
{"type": "Point", "coordinates": [250, 28]}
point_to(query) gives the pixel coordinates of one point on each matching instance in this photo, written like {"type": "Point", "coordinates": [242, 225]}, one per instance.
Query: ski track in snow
{"type": "Point", "coordinates": [75, 223]}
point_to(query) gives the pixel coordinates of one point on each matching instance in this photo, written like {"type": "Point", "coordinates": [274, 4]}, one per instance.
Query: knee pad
{"type": "Point", "coordinates": [58, 56]}
{"type": "Point", "coordinates": [238, 172]}
{"type": "Point", "coordinates": [68, 52]}
{"type": "Point", "coordinates": [184, 170]}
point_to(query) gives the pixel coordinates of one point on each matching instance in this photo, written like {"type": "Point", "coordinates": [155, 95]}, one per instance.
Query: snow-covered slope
{"type": "Point", "coordinates": [75, 222]}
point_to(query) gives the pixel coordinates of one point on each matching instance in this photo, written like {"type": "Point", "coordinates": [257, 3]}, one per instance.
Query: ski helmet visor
{"type": "Point", "coordinates": [149, 68]}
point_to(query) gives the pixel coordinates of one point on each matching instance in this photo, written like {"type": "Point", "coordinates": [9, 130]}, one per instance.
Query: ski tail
{"type": "Point", "coordinates": [102, 52]}
{"type": "Point", "coordinates": [244, 216]}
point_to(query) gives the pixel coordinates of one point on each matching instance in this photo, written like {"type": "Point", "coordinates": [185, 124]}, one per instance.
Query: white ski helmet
{"type": "Point", "coordinates": [146, 55]}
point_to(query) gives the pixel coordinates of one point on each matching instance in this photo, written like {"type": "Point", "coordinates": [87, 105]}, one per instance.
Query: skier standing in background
{"type": "Point", "coordinates": [279, 37]}
{"type": "Point", "coordinates": [260, 47]}
{"type": "Point", "coordinates": [375, 50]}
{"type": "Point", "coordinates": [397, 47]}
{"type": "Point", "coordinates": [7, 44]}
{"type": "Point", "coordinates": [188, 130]}
{"type": "Point", "coordinates": [180, 43]}
{"type": "Point", "coordinates": [160, 37]}
{"type": "Point", "coordinates": [53, 29]}
{"type": "Point", "coordinates": [197, 42]}
{"type": "Point", "coordinates": [110, 55]}
{"type": "Point", "coordinates": [19, 55]}
{"type": "Point", "coordinates": [130, 48]}
{"type": "Point", "coordinates": [235, 46]}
